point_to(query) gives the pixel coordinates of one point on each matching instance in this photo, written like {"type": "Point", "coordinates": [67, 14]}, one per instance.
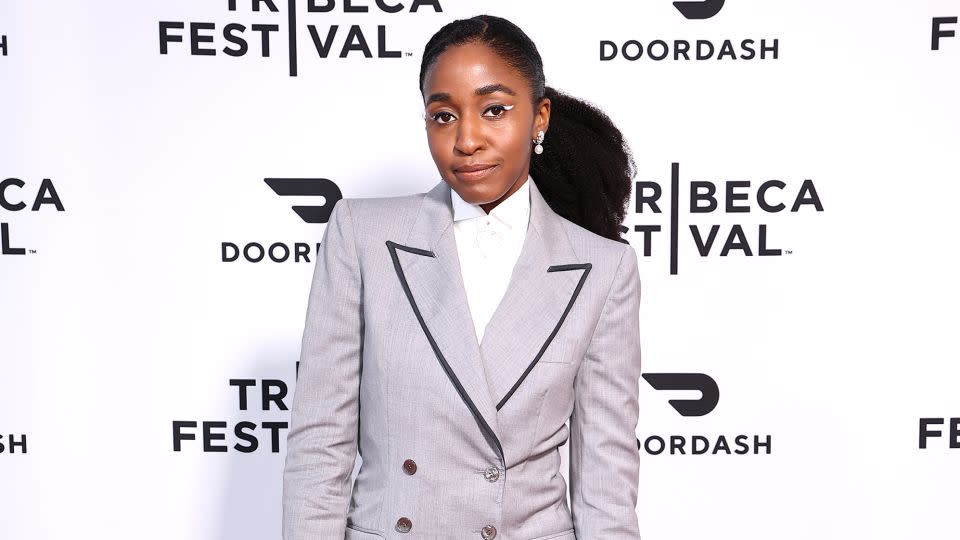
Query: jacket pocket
{"type": "Point", "coordinates": [564, 535]}
{"type": "Point", "coordinates": [359, 533]}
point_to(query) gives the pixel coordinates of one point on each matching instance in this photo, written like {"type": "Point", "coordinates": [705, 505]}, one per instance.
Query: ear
{"type": "Point", "coordinates": [541, 117]}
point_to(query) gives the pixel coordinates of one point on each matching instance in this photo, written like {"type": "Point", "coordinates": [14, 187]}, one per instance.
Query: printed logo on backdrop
{"type": "Point", "coordinates": [698, 444]}
{"type": "Point", "coordinates": [685, 48]}
{"type": "Point", "coordinates": [751, 237]}
{"type": "Point", "coordinates": [699, 382]}
{"type": "Point", "coordinates": [3, 44]}
{"type": "Point", "coordinates": [703, 9]}
{"type": "Point", "coordinates": [13, 443]}
{"type": "Point", "coordinates": [940, 433]}
{"type": "Point", "coordinates": [19, 196]}
{"type": "Point", "coordinates": [275, 20]}
{"type": "Point", "coordinates": [326, 192]}
{"type": "Point", "coordinates": [264, 399]}
{"type": "Point", "coordinates": [943, 28]}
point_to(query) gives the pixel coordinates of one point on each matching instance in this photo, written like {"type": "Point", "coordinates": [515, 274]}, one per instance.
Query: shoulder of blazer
{"type": "Point", "coordinates": [377, 217]}
{"type": "Point", "coordinates": [590, 246]}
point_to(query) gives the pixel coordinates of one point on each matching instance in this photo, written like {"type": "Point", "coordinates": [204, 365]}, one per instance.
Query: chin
{"type": "Point", "coordinates": [474, 192]}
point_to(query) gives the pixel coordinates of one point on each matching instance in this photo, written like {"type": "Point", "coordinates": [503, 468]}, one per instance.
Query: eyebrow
{"type": "Point", "coordinates": [482, 91]}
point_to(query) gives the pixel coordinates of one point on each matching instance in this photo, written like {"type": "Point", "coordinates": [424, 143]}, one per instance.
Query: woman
{"type": "Point", "coordinates": [450, 335]}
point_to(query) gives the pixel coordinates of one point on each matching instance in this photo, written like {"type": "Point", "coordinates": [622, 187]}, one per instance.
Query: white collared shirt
{"type": "Point", "coordinates": [489, 246]}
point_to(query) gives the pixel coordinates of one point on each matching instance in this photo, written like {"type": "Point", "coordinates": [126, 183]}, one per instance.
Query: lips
{"type": "Point", "coordinates": [474, 168]}
{"type": "Point", "coordinates": [475, 172]}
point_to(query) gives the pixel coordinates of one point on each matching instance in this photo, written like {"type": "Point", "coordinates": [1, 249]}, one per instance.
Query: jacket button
{"type": "Point", "coordinates": [404, 525]}
{"type": "Point", "coordinates": [488, 532]}
{"type": "Point", "coordinates": [409, 466]}
{"type": "Point", "coordinates": [492, 473]}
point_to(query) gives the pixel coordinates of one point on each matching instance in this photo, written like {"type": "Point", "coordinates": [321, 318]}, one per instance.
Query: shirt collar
{"type": "Point", "coordinates": [512, 211]}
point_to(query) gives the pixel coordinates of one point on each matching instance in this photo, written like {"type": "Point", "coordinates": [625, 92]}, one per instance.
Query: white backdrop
{"type": "Point", "coordinates": [120, 317]}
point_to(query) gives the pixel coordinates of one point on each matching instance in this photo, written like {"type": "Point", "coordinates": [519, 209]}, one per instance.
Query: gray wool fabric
{"type": "Point", "coordinates": [459, 439]}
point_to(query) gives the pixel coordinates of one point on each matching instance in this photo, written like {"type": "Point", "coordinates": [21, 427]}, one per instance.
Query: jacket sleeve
{"type": "Point", "coordinates": [604, 459]}
{"type": "Point", "coordinates": [322, 440]}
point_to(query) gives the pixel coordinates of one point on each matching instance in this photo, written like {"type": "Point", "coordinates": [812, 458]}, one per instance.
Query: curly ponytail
{"type": "Point", "coordinates": [586, 170]}
{"type": "Point", "coordinates": [588, 164]}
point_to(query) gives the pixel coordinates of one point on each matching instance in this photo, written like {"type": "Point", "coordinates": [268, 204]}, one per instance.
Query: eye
{"type": "Point", "coordinates": [503, 108]}
{"type": "Point", "coordinates": [436, 117]}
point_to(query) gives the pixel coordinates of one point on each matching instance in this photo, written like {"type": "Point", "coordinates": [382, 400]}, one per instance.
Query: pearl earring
{"type": "Point", "coordinates": [539, 147]}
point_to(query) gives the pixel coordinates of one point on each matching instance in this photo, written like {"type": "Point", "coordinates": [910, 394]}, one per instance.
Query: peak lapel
{"type": "Point", "coordinates": [543, 287]}
{"type": "Point", "coordinates": [428, 267]}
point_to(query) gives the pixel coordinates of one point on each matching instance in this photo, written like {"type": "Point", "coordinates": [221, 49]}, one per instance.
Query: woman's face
{"type": "Point", "coordinates": [480, 123]}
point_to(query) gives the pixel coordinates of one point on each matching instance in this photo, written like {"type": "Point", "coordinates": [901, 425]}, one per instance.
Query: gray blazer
{"type": "Point", "coordinates": [459, 439]}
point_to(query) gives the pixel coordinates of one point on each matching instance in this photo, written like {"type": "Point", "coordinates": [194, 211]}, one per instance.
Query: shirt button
{"type": "Point", "coordinates": [404, 525]}
{"type": "Point", "coordinates": [409, 466]}
{"type": "Point", "coordinates": [492, 473]}
{"type": "Point", "coordinates": [488, 532]}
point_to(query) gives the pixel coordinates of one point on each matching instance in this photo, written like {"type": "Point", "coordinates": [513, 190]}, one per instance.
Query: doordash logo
{"type": "Point", "coordinates": [279, 252]}
{"type": "Point", "coordinates": [308, 187]}
{"type": "Point", "coordinates": [699, 10]}
{"type": "Point", "coordinates": [700, 382]}
{"type": "Point", "coordinates": [634, 48]}
{"type": "Point", "coordinates": [698, 444]}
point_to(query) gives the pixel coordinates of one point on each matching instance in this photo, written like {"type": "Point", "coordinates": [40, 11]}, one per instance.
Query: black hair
{"type": "Point", "coordinates": [586, 170]}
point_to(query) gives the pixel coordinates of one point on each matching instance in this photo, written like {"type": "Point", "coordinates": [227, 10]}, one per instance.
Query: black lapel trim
{"type": "Point", "coordinates": [556, 268]}
{"type": "Point", "coordinates": [393, 246]}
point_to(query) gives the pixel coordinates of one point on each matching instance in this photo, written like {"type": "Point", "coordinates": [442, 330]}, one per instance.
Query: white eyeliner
{"type": "Point", "coordinates": [505, 107]}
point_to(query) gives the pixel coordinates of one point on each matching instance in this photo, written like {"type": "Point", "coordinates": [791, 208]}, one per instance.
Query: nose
{"type": "Point", "coordinates": [469, 135]}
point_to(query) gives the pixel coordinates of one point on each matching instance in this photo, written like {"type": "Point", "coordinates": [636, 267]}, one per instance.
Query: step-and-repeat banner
{"type": "Point", "coordinates": [166, 169]}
